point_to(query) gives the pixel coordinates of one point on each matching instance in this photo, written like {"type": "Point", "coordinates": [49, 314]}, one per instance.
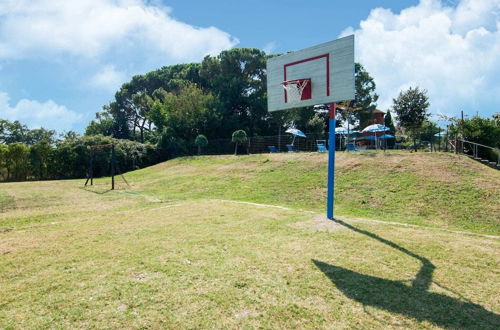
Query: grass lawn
{"type": "Point", "coordinates": [430, 189]}
{"type": "Point", "coordinates": [189, 254]}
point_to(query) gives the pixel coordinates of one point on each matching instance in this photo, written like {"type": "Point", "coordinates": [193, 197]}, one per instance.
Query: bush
{"type": "Point", "coordinates": [239, 136]}
{"type": "Point", "coordinates": [201, 142]}
{"type": "Point", "coordinates": [70, 158]}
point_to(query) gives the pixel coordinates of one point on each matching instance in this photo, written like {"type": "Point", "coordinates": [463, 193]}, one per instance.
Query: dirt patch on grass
{"type": "Point", "coordinates": [317, 224]}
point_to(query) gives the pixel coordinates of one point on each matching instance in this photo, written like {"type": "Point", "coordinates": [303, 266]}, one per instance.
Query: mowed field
{"type": "Point", "coordinates": [241, 242]}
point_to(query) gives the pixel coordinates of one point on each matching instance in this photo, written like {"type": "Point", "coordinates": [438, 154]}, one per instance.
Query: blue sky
{"type": "Point", "coordinates": [61, 61]}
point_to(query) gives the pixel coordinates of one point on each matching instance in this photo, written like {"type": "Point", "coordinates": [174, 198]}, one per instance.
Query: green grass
{"type": "Point", "coordinates": [179, 256]}
{"type": "Point", "coordinates": [431, 189]}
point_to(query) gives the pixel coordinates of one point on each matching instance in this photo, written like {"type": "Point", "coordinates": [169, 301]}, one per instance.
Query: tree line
{"type": "Point", "coordinates": [171, 106]}
{"type": "Point", "coordinates": [178, 109]}
{"type": "Point", "coordinates": [68, 156]}
{"type": "Point", "coordinates": [169, 112]}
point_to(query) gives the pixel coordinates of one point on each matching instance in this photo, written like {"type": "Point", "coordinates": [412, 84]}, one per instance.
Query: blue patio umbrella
{"type": "Point", "coordinates": [375, 128]}
{"type": "Point", "coordinates": [354, 136]}
{"type": "Point", "coordinates": [295, 132]}
{"type": "Point", "coordinates": [340, 130]}
{"type": "Point", "coordinates": [369, 137]}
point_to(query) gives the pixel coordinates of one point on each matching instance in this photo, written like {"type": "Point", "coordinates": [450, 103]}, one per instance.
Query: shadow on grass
{"type": "Point", "coordinates": [96, 191]}
{"type": "Point", "coordinates": [413, 300]}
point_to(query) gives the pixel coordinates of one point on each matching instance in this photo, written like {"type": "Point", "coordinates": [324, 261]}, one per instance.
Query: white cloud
{"type": "Point", "coordinates": [35, 114]}
{"type": "Point", "coordinates": [108, 78]}
{"type": "Point", "coordinates": [90, 28]}
{"type": "Point", "coordinates": [453, 52]}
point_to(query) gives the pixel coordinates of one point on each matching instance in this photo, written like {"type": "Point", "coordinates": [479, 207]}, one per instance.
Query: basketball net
{"type": "Point", "coordinates": [294, 89]}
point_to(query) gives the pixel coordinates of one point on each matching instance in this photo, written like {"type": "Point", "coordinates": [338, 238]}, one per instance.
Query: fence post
{"type": "Point", "coordinates": [91, 167]}
{"type": "Point", "coordinates": [113, 166]}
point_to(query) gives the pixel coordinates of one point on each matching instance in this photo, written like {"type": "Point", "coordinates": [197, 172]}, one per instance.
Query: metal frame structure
{"type": "Point", "coordinates": [90, 175]}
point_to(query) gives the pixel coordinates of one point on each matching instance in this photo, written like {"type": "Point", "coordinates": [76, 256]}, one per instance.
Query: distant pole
{"type": "Point", "coordinates": [446, 141]}
{"type": "Point", "coordinates": [331, 163]}
{"type": "Point", "coordinates": [439, 140]}
{"type": "Point", "coordinates": [431, 137]}
{"type": "Point", "coordinates": [462, 134]}
{"type": "Point", "coordinates": [91, 167]}
{"type": "Point", "coordinates": [348, 130]}
{"type": "Point", "coordinates": [279, 137]}
{"type": "Point", "coordinates": [113, 166]}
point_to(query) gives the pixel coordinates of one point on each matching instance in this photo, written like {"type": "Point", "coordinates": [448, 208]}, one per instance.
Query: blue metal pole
{"type": "Point", "coordinates": [331, 163]}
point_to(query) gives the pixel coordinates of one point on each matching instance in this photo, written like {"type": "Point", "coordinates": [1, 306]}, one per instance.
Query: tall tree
{"type": "Point", "coordinates": [142, 103]}
{"type": "Point", "coordinates": [102, 124]}
{"type": "Point", "coordinates": [365, 96]}
{"type": "Point", "coordinates": [12, 132]}
{"type": "Point", "coordinates": [15, 132]}
{"type": "Point", "coordinates": [187, 112]}
{"type": "Point", "coordinates": [130, 107]}
{"type": "Point", "coordinates": [411, 109]}
{"type": "Point", "coordinates": [316, 124]}
{"type": "Point", "coordinates": [40, 154]}
{"type": "Point", "coordinates": [388, 122]}
{"type": "Point", "coordinates": [238, 77]}
{"type": "Point", "coordinates": [3, 161]}
{"type": "Point", "coordinates": [17, 161]}
{"type": "Point", "coordinates": [36, 135]}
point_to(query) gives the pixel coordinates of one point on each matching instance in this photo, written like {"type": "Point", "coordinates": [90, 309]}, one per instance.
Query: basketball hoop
{"type": "Point", "coordinates": [297, 90]}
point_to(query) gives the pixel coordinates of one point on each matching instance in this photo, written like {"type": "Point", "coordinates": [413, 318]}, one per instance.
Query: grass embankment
{"type": "Point", "coordinates": [176, 259]}
{"type": "Point", "coordinates": [438, 189]}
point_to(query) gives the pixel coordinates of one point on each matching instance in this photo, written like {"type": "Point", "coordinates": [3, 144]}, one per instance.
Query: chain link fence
{"type": "Point", "coordinates": [261, 144]}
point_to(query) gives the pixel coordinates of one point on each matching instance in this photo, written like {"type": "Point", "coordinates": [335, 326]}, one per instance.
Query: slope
{"type": "Point", "coordinates": [431, 189]}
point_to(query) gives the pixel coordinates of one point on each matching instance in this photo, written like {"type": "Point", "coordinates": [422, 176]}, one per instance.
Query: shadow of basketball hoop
{"type": "Point", "coordinates": [413, 300]}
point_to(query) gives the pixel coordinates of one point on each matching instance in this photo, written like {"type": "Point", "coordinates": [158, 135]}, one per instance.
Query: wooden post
{"type": "Point", "coordinates": [462, 133]}
{"type": "Point", "coordinates": [91, 171]}
{"type": "Point", "coordinates": [113, 166]}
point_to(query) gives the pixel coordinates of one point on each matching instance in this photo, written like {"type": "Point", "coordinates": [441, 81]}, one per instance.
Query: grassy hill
{"type": "Point", "coordinates": [432, 189]}
{"type": "Point", "coordinates": [187, 247]}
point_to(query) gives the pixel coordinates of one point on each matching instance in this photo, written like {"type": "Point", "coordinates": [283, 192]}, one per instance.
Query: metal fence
{"type": "Point", "coordinates": [480, 152]}
{"type": "Point", "coordinates": [261, 144]}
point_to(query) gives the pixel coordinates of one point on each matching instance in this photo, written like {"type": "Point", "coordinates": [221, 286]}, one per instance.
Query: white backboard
{"type": "Point", "coordinates": [330, 66]}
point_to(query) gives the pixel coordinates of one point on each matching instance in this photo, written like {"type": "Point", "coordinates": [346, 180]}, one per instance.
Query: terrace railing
{"type": "Point", "coordinates": [480, 152]}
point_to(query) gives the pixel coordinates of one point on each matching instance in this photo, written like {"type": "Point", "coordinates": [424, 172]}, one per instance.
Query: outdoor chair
{"type": "Point", "coordinates": [322, 148]}
{"type": "Point", "coordinates": [272, 149]}
{"type": "Point", "coordinates": [291, 148]}
{"type": "Point", "coordinates": [351, 147]}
